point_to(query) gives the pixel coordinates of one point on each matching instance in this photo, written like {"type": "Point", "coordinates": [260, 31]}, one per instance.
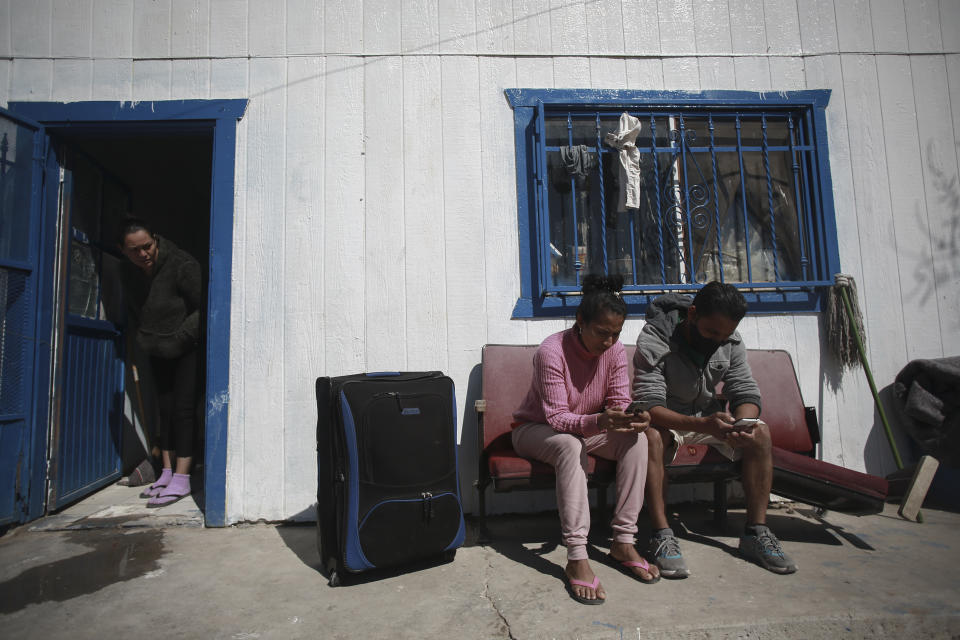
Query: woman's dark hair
{"type": "Point", "coordinates": [722, 298]}
{"type": "Point", "coordinates": [601, 293]}
{"type": "Point", "coordinates": [131, 225]}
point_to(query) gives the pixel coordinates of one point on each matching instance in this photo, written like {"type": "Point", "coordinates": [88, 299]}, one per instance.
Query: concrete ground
{"type": "Point", "coordinates": [129, 576]}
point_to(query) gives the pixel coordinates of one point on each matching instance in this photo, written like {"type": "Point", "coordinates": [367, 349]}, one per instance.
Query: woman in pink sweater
{"type": "Point", "coordinates": [575, 406]}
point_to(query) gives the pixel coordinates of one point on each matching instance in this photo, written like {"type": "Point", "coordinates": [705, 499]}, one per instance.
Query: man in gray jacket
{"type": "Point", "coordinates": [684, 351]}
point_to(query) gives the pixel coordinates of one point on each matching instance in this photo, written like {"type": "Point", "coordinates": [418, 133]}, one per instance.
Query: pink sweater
{"type": "Point", "coordinates": [571, 386]}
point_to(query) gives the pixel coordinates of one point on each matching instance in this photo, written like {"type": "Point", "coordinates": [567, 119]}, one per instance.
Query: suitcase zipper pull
{"type": "Point", "coordinates": [427, 498]}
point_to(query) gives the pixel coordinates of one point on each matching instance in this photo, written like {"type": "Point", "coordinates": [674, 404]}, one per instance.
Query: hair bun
{"type": "Point", "coordinates": [596, 282]}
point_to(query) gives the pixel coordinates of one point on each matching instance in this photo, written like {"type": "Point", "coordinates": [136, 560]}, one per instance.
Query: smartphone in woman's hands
{"type": "Point", "coordinates": [745, 424]}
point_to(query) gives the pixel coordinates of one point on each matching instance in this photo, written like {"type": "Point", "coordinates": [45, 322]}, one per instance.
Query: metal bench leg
{"type": "Point", "coordinates": [483, 535]}
{"type": "Point", "coordinates": [720, 501]}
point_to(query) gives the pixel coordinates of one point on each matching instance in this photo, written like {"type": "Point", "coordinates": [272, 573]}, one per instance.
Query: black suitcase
{"type": "Point", "coordinates": [388, 487]}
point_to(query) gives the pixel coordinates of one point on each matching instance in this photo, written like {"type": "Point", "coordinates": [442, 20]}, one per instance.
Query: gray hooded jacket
{"type": "Point", "coordinates": [665, 376]}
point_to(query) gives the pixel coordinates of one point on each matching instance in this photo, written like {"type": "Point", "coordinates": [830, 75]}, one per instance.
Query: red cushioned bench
{"type": "Point", "coordinates": [506, 374]}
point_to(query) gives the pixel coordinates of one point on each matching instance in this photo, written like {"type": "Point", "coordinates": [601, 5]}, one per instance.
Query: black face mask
{"type": "Point", "coordinates": [703, 345]}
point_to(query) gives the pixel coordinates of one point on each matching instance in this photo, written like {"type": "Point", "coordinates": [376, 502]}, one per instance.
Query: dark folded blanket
{"type": "Point", "coordinates": [929, 396]}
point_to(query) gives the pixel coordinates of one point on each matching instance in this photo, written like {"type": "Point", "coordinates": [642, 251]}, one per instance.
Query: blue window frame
{"type": "Point", "coordinates": [719, 185]}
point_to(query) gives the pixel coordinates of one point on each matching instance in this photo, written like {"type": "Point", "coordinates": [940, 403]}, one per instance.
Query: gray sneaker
{"type": "Point", "coordinates": [664, 550]}
{"type": "Point", "coordinates": [765, 550]}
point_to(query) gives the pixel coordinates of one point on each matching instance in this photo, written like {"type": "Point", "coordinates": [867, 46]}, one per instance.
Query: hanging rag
{"type": "Point", "coordinates": [578, 161]}
{"type": "Point", "coordinates": [625, 140]}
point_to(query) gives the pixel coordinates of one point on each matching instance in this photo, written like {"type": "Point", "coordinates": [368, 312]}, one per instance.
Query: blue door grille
{"type": "Point", "coordinates": [16, 348]}
{"type": "Point", "coordinates": [725, 194]}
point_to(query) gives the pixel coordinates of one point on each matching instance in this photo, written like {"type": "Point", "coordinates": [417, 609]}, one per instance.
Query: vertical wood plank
{"type": "Point", "coordinates": [303, 278]}
{"type": "Point", "coordinates": [497, 157]}
{"type": "Point", "coordinates": [31, 79]}
{"type": "Point", "coordinates": [228, 28]}
{"type": "Point", "coordinates": [112, 34]}
{"type": "Point", "coordinates": [753, 73]}
{"type": "Point", "coordinates": [190, 79]}
{"type": "Point", "coordinates": [787, 74]}
{"type": "Point", "coordinates": [568, 27]}
{"type": "Point", "coordinates": [717, 73]}
{"type": "Point", "coordinates": [457, 21]}
{"type": "Point", "coordinates": [5, 31]}
{"type": "Point", "coordinates": [72, 80]}
{"type": "Point", "coordinates": [641, 27]}
{"type": "Point", "coordinates": [305, 27]}
{"type": "Point", "coordinates": [30, 28]}
{"type": "Point", "coordinates": [854, 26]}
{"type": "Point", "coordinates": [426, 338]}
{"type": "Point", "coordinates": [531, 26]}
{"type": "Point", "coordinates": [151, 79]}
{"type": "Point", "coordinates": [344, 210]}
{"type": "Point", "coordinates": [386, 250]}
{"type": "Point", "coordinates": [681, 73]}
{"type": "Point", "coordinates": [950, 25]}
{"type": "Point", "coordinates": [676, 27]}
{"type": "Point", "coordinates": [608, 73]}
{"type": "Point", "coordinates": [826, 72]}
{"type": "Point", "coordinates": [923, 25]}
{"type": "Point", "coordinates": [605, 32]}
{"type": "Point", "coordinates": [712, 27]}
{"type": "Point", "coordinates": [572, 72]}
{"type": "Point", "coordinates": [419, 26]}
{"type": "Point", "coordinates": [534, 72]}
{"type": "Point", "coordinates": [941, 190]}
{"type": "Point", "coordinates": [263, 336]}
{"type": "Point", "coordinates": [495, 26]}
{"type": "Point", "coordinates": [818, 26]}
{"type": "Point", "coordinates": [72, 24]}
{"type": "Point", "coordinates": [921, 323]}
{"type": "Point", "coordinates": [190, 28]}
{"type": "Point", "coordinates": [889, 23]}
{"type": "Point", "coordinates": [151, 28]}
{"type": "Point", "coordinates": [463, 227]}
{"type": "Point", "coordinates": [782, 26]}
{"type": "Point", "coordinates": [748, 32]}
{"type": "Point", "coordinates": [381, 26]}
{"type": "Point", "coordinates": [5, 66]}
{"type": "Point", "coordinates": [229, 78]}
{"type": "Point", "coordinates": [644, 73]}
{"type": "Point", "coordinates": [880, 287]}
{"type": "Point", "coordinates": [112, 79]}
{"type": "Point", "coordinates": [343, 27]}
{"type": "Point", "coordinates": [267, 27]}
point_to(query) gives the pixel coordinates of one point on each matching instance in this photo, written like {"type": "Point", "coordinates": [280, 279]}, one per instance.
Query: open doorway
{"type": "Point", "coordinates": [104, 133]}
{"type": "Point", "coordinates": [107, 414]}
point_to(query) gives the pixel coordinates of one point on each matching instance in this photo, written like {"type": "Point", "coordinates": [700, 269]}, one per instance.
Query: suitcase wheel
{"type": "Point", "coordinates": [448, 556]}
{"type": "Point", "coordinates": [334, 580]}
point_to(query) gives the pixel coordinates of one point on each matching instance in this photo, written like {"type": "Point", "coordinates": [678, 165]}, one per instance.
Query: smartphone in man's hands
{"type": "Point", "coordinates": [635, 407]}
{"type": "Point", "coordinates": [745, 424]}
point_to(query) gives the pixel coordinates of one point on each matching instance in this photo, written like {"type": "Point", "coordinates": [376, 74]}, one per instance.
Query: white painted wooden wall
{"type": "Point", "coordinates": [376, 221]}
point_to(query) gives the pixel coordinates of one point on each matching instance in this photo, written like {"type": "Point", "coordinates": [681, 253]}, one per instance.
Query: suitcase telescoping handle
{"type": "Point", "coordinates": [382, 374]}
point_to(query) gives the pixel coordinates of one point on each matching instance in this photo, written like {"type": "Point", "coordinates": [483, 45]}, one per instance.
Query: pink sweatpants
{"type": "Point", "coordinates": [567, 454]}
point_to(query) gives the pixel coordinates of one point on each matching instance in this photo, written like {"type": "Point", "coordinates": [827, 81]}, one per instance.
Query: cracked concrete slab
{"type": "Point", "coordinates": [871, 577]}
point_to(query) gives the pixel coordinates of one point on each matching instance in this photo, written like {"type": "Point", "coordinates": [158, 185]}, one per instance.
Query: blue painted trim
{"type": "Point", "coordinates": [627, 97]}
{"type": "Point", "coordinates": [46, 244]}
{"type": "Point", "coordinates": [353, 556]}
{"type": "Point", "coordinates": [65, 113]}
{"type": "Point", "coordinates": [222, 117]}
{"type": "Point", "coordinates": [806, 296]}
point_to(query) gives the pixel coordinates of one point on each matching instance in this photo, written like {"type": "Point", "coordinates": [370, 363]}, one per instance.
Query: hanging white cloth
{"type": "Point", "coordinates": [625, 140]}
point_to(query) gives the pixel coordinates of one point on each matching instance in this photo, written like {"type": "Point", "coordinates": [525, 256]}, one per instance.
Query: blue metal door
{"type": "Point", "coordinates": [21, 184]}
{"type": "Point", "coordinates": [89, 384]}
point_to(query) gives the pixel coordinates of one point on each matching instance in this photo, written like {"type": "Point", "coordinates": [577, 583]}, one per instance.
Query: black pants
{"type": "Point", "coordinates": [176, 381]}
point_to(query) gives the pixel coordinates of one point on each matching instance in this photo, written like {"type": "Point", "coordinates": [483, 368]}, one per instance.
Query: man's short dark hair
{"type": "Point", "coordinates": [722, 298]}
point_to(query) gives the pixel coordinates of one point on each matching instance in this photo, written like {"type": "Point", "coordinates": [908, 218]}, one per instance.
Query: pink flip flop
{"type": "Point", "coordinates": [580, 583]}
{"type": "Point", "coordinates": [626, 565]}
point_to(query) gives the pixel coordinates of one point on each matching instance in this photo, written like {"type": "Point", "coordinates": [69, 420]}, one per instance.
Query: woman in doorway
{"type": "Point", "coordinates": [575, 406]}
{"type": "Point", "coordinates": [163, 288]}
